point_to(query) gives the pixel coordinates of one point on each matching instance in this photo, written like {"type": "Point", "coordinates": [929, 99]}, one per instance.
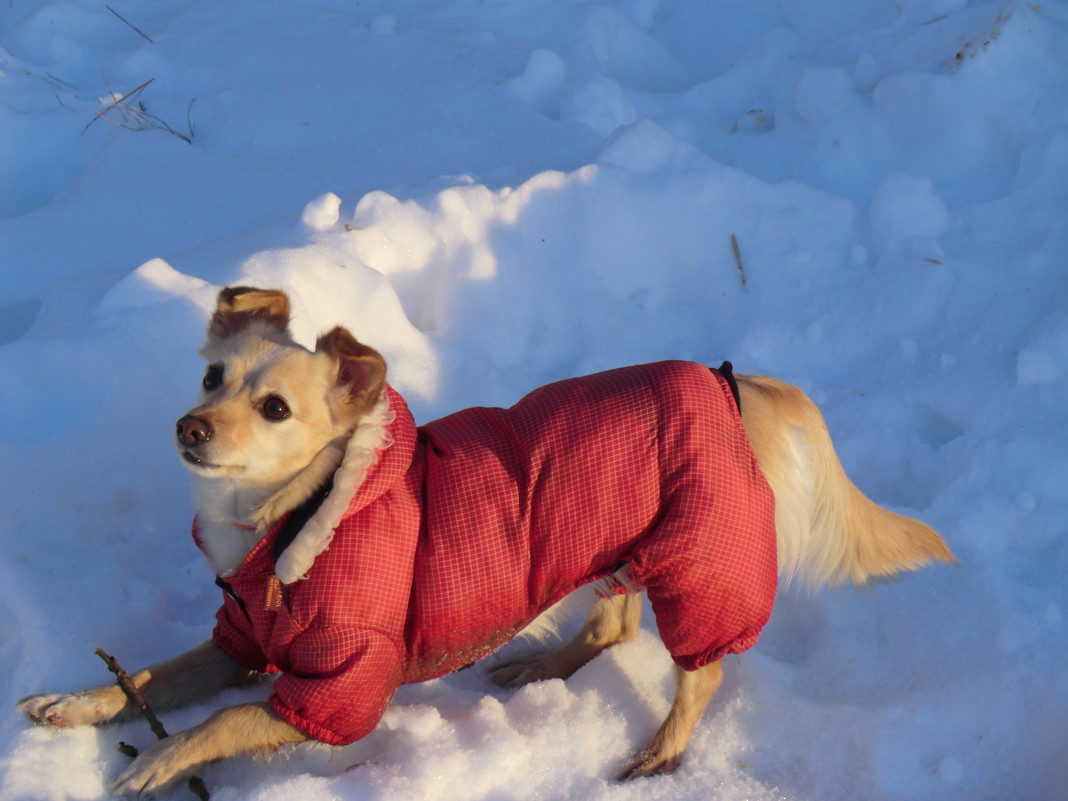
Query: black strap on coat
{"type": "Point", "coordinates": [727, 371]}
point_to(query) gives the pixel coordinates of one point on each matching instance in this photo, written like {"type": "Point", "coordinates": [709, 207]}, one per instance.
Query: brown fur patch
{"type": "Point", "coordinates": [238, 307]}
{"type": "Point", "coordinates": [361, 372]}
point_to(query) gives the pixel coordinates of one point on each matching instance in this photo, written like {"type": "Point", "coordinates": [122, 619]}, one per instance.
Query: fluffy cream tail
{"type": "Point", "coordinates": [829, 532]}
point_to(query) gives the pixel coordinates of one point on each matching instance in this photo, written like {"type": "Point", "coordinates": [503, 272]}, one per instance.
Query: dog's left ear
{"type": "Point", "coordinates": [238, 307]}
{"type": "Point", "coordinates": [361, 370]}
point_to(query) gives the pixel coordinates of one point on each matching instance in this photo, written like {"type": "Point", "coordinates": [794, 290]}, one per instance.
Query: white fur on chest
{"type": "Point", "coordinates": [224, 521]}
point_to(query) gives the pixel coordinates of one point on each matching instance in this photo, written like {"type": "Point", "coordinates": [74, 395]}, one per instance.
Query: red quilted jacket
{"type": "Point", "coordinates": [459, 533]}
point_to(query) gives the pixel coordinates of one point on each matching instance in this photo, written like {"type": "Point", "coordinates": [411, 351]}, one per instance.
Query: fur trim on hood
{"type": "Point", "coordinates": [371, 437]}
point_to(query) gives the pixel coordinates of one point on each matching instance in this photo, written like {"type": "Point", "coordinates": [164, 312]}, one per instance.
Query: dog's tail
{"type": "Point", "coordinates": [829, 532]}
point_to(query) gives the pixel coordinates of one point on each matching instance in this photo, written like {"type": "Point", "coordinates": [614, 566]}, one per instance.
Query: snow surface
{"type": "Point", "coordinates": [498, 194]}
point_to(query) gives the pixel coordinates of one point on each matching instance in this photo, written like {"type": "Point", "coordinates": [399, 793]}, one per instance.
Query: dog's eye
{"type": "Point", "coordinates": [213, 377]}
{"type": "Point", "coordinates": [274, 408]}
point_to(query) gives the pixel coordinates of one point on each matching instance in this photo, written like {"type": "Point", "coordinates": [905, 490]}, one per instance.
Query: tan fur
{"type": "Point", "coordinates": [299, 488]}
{"type": "Point", "coordinates": [612, 620]}
{"type": "Point", "coordinates": [693, 690]}
{"type": "Point", "coordinates": [247, 728]}
{"type": "Point", "coordinates": [829, 532]}
{"type": "Point", "coordinates": [249, 470]}
{"type": "Point", "coordinates": [196, 674]}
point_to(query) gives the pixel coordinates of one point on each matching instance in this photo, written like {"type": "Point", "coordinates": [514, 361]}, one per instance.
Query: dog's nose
{"type": "Point", "coordinates": [193, 430]}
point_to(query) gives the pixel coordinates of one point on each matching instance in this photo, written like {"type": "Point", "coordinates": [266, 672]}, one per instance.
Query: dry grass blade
{"type": "Point", "coordinates": [120, 16]}
{"type": "Point", "coordinates": [133, 116]}
{"type": "Point", "coordinates": [737, 251]}
{"type": "Point", "coordinates": [119, 104]}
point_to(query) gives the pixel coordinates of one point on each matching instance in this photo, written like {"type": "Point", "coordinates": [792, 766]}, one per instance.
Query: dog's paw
{"type": "Point", "coordinates": [156, 769]}
{"type": "Point", "coordinates": [70, 709]}
{"type": "Point", "coordinates": [528, 669]}
{"type": "Point", "coordinates": [649, 762]}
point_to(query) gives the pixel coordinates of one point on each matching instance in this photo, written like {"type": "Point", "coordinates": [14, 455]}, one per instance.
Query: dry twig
{"type": "Point", "coordinates": [134, 117]}
{"type": "Point", "coordinates": [122, 678]}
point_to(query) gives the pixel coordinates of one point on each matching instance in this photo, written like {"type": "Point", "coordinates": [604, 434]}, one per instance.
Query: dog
{"type": "Point", "coordinates": [353, 547]}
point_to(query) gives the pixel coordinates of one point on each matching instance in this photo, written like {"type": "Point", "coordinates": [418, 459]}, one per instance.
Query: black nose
{"type": "Point", "coordinates": [192, 431]}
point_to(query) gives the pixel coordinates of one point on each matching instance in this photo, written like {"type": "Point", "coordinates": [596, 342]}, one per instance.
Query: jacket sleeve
{"type": "Point", "coordinates": [340, 682]}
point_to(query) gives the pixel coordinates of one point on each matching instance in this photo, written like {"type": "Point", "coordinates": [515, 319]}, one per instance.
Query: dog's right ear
{"type": "Point", "coordinates": [238, 307]}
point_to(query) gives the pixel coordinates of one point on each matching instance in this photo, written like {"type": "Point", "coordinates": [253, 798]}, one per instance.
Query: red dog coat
{"type": "Point", "coordinates": [455, 535]}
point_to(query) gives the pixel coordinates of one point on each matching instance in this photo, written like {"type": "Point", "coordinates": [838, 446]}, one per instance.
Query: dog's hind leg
{"type": "Point", "coordinates": [693, 690]}
{"type": "Point", "coordinates": [612, 620]}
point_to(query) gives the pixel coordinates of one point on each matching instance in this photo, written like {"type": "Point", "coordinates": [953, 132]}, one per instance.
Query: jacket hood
{"type": "Point", "coordinates": [377, 456]}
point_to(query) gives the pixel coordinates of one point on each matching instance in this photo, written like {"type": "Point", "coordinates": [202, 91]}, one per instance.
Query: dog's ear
{"type": "Point", "coordinates": [238, 307]}
{"type": "Point", "coordinates": [361, 371]}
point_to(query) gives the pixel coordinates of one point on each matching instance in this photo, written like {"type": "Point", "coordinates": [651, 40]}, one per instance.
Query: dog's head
{"type": "Point", "coordinates": [267, 405]}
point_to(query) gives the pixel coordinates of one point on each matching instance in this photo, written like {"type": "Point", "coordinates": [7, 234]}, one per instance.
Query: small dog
{"type": "Point", "coordinates": [358, 553]}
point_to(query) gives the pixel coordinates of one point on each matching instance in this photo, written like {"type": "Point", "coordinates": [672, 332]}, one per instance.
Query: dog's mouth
{"type": "Point", "coordinates": [203, 464]}
{"type": "Point", "coordinates": [196, 460]}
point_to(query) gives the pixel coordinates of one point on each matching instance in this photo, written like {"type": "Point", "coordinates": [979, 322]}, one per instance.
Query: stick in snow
{"type": "Point", "coordinates": [122, 678]}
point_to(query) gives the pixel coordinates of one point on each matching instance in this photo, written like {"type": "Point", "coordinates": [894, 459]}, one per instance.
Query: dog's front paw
{"type": "Point", "coordinates": [156, 769]}
{"type": "Point", "coordinates": [71, 709]}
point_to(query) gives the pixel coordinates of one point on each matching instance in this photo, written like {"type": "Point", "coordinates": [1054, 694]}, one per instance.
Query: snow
{"type": "Point", "coordinates": [867, 199]}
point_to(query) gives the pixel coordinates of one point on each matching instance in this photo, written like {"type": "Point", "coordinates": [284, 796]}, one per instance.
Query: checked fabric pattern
{"type": "Point", "coordinates": [470, 526]}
